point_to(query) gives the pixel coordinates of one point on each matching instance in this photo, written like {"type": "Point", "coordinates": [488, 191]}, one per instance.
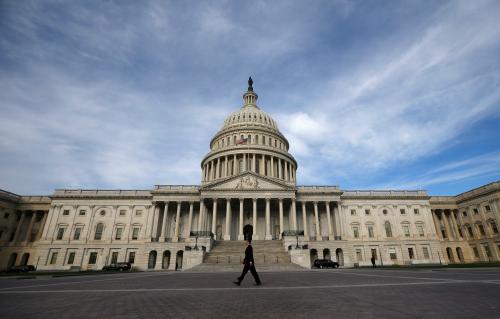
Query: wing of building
{"type": "Point", "coordinates": [248, 190]}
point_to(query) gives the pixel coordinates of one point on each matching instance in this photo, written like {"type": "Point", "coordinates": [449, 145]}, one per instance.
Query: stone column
{"type": "Point", "coordinates": [30, 227]}
{"type": "Point", "coordinates": [190, 220]}
{"type": "Point", "coordinates": [177, 220]}
{"type": "Point", "coordinates": [42, 225]}
{"type": "Point", "coordinates": [268, 220]}
{"type": "Point", "coordinates": [234, 165]}
{"type": "Point", "coordinates": [18, 228]}
{"type": "Point", "coordinates": [338, 221]}
{"type": "Point", "coordinates": [254, 202]}
{"type": "Point", "coordinates": [304, 221]}
{"type": "Point", "coordinates": [253, 163]}
{"type": "Point", "coordinates": [214, 216]}
{"type": "Point", "coordinates": [154, 229]}
{"type": "Point", "coordinates": [280, 176]}
{"type": "Point", "coordinates": [226, 167]}
{"type": "Point", "coordinates": [281, 217]}
{"type": "Point", "coordinates": [294, 214]}
{"type": "Point", "coordinates": [164, 223]}
{"type": "Point", "coordinates": [455, 225]}
{"type": "Point", "coordinates": [316, 218]}
{"type": "Point", "coordinates": [446, 225]}
{"type": "Point", "coordinates": [437, 225]}
{"type": "Point", "coordinates": [240, 221]}
{"type": "Point", "coordinates": [329, 220]}
{"type": "Point", "coordinates": [200, 214]}
{"type": "Point", "coordinates": [217, 169]}
{"type": "Point", "coordinates": [227, 235]}
{"type": "Point", "coordinates": [272, 166]}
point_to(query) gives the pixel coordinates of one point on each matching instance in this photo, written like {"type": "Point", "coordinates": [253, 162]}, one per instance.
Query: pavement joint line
{"type": "Point", "coordinates": [231, 288]}
{"type": "Point", "coordinates": [401, 277]}
{"type": "Point", "coordinates": [84, 281]}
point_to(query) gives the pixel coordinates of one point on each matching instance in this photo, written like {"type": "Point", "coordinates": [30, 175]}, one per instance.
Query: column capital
{"type": "Point", "coordinates": [293, 200]}
{"type": "Point", "coordinates": [254, 200]}
{"type": "Point", "coordinates": [281, 200]}
{"type": "Point", "coordinates": [228, 199]}
{"type": "Point", "coordinates": [268, 199]}
{"type": "Point", "coordinates": [241, 199]}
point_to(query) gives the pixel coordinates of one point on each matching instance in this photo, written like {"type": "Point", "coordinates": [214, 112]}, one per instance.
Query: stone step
{"type": "Point", "coordinates": [237, 268]}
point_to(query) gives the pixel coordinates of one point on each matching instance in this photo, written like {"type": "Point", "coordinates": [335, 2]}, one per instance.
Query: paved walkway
{"type": "Point", "coordinates": [359, 293]}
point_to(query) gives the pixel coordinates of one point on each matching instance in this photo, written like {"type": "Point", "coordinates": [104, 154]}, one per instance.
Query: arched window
{"type": "Point", "coordinates": [98, 231]}
{"type": "Point", "coordinates": [388, 229]}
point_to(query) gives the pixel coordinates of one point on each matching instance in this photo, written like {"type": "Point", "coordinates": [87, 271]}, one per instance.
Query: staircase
{"type": "Point", "coordinates": [269, 255]}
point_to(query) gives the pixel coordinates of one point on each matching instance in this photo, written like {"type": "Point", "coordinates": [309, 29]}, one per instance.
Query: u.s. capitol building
{"type": "Point", "coordinates": [248, 189]}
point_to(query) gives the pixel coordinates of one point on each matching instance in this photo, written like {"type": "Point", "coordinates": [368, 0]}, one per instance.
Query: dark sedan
{"type": "Point", "coordinates": [325, 263]}
{"type": "Point", "coordinates": [118, 266]}
{"type": "Point", "coordinates": [22, 268]}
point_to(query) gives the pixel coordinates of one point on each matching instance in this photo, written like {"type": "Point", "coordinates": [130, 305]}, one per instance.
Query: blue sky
{"type": "Point", "coordinates": [370, 94]}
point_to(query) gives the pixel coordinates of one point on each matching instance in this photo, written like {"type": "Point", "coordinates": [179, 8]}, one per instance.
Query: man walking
{"type": "Point", "coordinates": [249, 265]}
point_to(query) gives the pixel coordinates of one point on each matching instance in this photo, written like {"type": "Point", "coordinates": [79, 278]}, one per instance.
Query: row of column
{"type": "Point", "coordinates": [26, 237]}
{"type": "Point", "coordinates": [230, 165]}
{"type": "Point", "coordinates": [203, 214]}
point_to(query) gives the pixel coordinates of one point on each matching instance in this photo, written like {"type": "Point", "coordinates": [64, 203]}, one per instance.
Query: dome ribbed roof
{"type": "Point", "coordinates": [250, 115]}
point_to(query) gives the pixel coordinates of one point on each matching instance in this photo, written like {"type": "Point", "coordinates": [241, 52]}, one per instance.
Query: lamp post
{"type": "Point", "coordinates": [196, 243]}
{"type": "Point", "coordinates": [297, 237]}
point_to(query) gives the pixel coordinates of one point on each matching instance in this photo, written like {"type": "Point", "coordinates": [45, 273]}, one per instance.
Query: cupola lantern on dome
{"type": "Point", "coordinates": [250, 97]}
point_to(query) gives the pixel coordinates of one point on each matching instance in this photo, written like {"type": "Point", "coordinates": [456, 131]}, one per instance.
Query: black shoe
{"type": "Point", "coordinates": [237, 283]}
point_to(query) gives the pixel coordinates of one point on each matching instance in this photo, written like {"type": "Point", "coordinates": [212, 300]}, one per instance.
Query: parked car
{"type": "Point", "coordinates": [325, 263]}
{"type": "Point", "coordinates": [118, 266]}
{"type": "Point", "coordinates": [22, 268]}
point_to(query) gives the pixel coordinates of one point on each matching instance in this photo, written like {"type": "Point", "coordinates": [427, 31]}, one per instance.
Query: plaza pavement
{"type": "Point", "coordinates": [338, 293]}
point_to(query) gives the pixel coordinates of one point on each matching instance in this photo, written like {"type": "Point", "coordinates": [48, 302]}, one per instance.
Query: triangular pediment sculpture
{"type": "Point", "coordinates": [247, 181]}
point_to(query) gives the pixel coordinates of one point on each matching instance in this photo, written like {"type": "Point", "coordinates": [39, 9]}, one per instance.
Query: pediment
{"type": "Point", "coordinates": [247, 181]}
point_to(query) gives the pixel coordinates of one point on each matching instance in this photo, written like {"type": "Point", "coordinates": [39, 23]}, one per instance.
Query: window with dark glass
{"type": "Point", "coordinates": [135, 233]}
{"type": "Point", "coordinates": [71, 258]}
{"type": "Point", "coordinates": [98, 231]}
{"type": "Point", "coordinates": [92, 258]}
{"type": "Point", "coordinates": [60, 233]}
{"type": "Point", "coordinates": [76, 235]}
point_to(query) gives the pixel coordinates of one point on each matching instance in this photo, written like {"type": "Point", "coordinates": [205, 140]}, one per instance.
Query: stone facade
{"type": "Point", "coordinates": [248, 188]}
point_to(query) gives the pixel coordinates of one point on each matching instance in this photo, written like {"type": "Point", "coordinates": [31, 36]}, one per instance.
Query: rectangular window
{"type": "Point", "coordinates": [367, 212]}
{"type": "Point", "coordinates": [66, 212]}
{"type": "Point", "coordinates": [355, 231]}
{"type": "Point", "coordinates": [425, 250]}
{"type": "Point", "coordinates": [416, 211]}
{"type": "Point", "coordinates": [370, 231]}
{"type": "Point", "coordinates": [123, 212]}
{"type": "Point", "coordinates": [392, 253]}
{"type": "Point", "coordinates": [464, 213]}
{"type": "Point", "coordinates": [78, 231]}
{"type": "Point", "coordinates": [53, 258]}
{"type": "Point", "coordinates": [138, 213]}
{"type": "Point", "coordinates": [476, 211]}
{"type": "Point", "coordinates": [82, 212]}
{"type": "Point", "coordinates": [420, 229]}
{"type": "Point", "coordinates": [114, 257]}
{"type": "Point", "coordinates": [402, 211]}
{"type": "Point", "coordinates": [476, 252]}
{"type": "Point", "coordinates": [60, 233]}
{"type": "Point", "coordinates": [481, 230]}
{"type": "Point", "coordinates": [118, 234]}
{"type": "Point", "coordinates": [410, 253]}
{"type": "Point", "coordinates": [406, 230]}
{"type": "Point", "coordinates": [71, 258]}
{"type": "Point", "coordinates": [471, 233]}
{"type": "Point", "coordinates": [135, 233]}
{"type": "Point", "coordinates": [353, 212]}
{"type": "Point", "coordinates": [443, 233]}
{"type": "Point", "coordinates": [487, 207]}
{"type": "Point", "coordinates": [131, 257]}
{"type": "Point", "coordinates": [494, 227]}
{"type": "Point", "coordinates": [92, 258]}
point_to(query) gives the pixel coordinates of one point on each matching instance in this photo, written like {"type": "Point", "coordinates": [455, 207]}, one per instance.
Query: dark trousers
{"type": "Point", "coordinates": [252, 270]}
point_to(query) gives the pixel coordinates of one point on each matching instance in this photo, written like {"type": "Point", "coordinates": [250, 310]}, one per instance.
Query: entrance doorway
{"type": "Point", "coordinates": [218, 232]}
{"type": "Point", "coordinates": [152, 259]}
{"type": "Point", "coordinates": [178, 261]}
{"type": "Point", "coordinates": [340, 256]}
{"type": "Point", "coordinates": [248, 232]}
{"type": "Point", "coordinates": [166, 259]}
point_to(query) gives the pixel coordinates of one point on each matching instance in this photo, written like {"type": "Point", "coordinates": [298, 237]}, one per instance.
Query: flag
{"type": "Point", "coordinates": [241, 141]}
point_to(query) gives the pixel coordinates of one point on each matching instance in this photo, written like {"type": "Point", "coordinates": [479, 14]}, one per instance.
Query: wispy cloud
{"type": "Point", "coordinates": [98, 95]}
